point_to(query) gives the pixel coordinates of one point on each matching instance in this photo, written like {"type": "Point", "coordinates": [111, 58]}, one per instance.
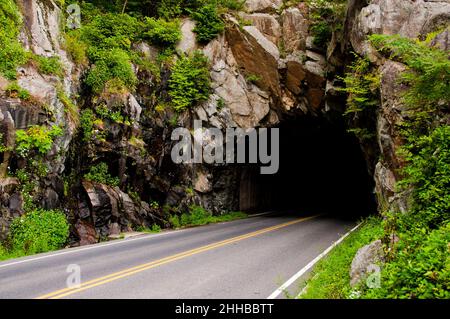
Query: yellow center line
{"type": "Point", "coordinates": [133, 270]}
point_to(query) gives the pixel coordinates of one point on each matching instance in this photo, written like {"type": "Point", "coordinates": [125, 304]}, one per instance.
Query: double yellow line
{"type": "Point", "coordinates": [134, 270]}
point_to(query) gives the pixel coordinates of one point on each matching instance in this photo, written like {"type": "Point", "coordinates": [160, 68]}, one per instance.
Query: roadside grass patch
{"type": "Point", "coordinates": [198, 216]}
{"type": "Point", "coordinates": [330, 278]}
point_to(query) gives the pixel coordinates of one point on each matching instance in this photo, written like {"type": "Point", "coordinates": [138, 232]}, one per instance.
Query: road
{"type": "Point", "coordinates": [247, 258]}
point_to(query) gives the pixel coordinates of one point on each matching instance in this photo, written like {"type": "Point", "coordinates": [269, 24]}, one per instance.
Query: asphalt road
{"type": "Point", "coordinates": [248, 258]}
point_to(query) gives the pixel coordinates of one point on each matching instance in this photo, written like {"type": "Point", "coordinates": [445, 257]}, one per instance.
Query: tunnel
{"type": "Point", "coordinates": [322, 170]}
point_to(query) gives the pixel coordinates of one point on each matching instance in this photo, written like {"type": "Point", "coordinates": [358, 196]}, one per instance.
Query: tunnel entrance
{"type": "Point", "coordinates": [322, 170]}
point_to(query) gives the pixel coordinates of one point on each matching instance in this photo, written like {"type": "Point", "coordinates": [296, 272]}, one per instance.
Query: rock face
{"type": "Point", "coordinates": [263, 71]}
{"type": "Point", "coordinates": [412, 19]}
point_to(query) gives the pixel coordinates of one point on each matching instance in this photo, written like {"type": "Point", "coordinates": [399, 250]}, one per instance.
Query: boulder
{"type": "Point", "coordinates": [267, 24]}
{"type": "Point", "coordinates": [371, 254]}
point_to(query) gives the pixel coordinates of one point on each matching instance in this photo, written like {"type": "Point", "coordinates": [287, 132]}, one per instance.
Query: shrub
{"type": "Point", "coordinates": [161, 32]}
{"type": "Point", "coordinates": [362, 85]}
{"type": "Point", "coordinates": [99, 173]}
{"type": "Point", "coordinates": [189, 82]}
{"type": "Point", "coordinates": [113, 64]}
{"type": "Point", "coordinates": [14, 90]}
{"type": "Point", "coordinates": [70, 108]}
{"type": "Point", "coordinates": [48, 65]}
{"type": "Point", "coordinates": [209, 24]}
{"type": "Point", "coordinates": [76, 47]}
{"type": "Point", "coordinates": [12, 53]}
{"type": "Point", "coordinates": [39, 138]}
{"type": "Point", "coordinates": [87, 119]}
{"type": "Point", "coordinates": [421, 268]}
{"type": "Point", "coordinates": [39, 231]}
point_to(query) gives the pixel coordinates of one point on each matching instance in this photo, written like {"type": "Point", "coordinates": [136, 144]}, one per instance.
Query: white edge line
{"type": "Point", "coordinates": [283, 287]}
{"type": "Point", "coordinates": [101, 245]}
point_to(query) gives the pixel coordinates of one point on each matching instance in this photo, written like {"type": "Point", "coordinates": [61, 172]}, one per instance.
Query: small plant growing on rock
{"type": "Point", "coordinates": [99, 173]}
{"type": "Point", "coordinates": [189, 83]}
{"type": "Point", "coordinates": [39, 138]}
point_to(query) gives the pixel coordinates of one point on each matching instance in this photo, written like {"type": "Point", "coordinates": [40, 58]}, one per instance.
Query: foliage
{"type": "Point", "coordinates": [39, 138]}
{"type": "Point", "coordinates": [161, 32]}
{"type": "Point", "coordinates": [327, 16]}
{"type": "Point", "coordinates": [76, 47]}
{"type": "Point", "coordinates": [421, 268]}
{"type": "Point", "coordinates": [48, 65]}
{"type": "Point", "coordinates": [208, 23]}
{"type": "Point", "coordinates": [3, 147]}
{"type": "Point", "coordinates": [253, 78]}
{"type": "Point", "coordinates": [12, 54]}
{"type": "Point", "coordinates": [70, 107]}
{"type": "Point", "coordinates": [99, 173]}
{"type": "Point", "coordinates": [197, 216]}
{"type": "Point", "coordinates": [111, 64]}
{"type": "Point", "coordinates": [87, 124]}
{"type": "Point", "coordinates": [14, 90]}
{"type": "Point", "coordinates": [330, 278]}
{"type": "Point", "coordinates": [428, 173]}
{"type": "Point", "coordinates": [39, 231]}
{"type": "Point", "coordinates": [189, 82]}
{"type": "Point", "coordinates": [362, 85]}
{"type": "Point", "coordinates": [418, 265]}
{"type": "Point", "coordinates": [429, 75]}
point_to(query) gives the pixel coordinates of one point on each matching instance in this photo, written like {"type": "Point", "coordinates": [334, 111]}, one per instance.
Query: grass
{"type": "Point", "coordinates": [330, 279]}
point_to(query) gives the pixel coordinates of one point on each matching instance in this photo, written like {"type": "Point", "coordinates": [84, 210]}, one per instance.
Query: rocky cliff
{"type": "Point", "coordinates": [265, 68]}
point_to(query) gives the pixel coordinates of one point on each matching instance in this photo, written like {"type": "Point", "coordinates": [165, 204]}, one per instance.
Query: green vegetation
{"type": "Point", "coordinates": [39, 231]}
{"type": "Point", "coordinates": [12, 54]}
{"type": "Point", "coordinates": [197, 216]}
{"type": "Point", "coordinates": [189, 83]}
{"type": "Point", "coordinates": [14, 90]}
{"type": "Point", "coordinates": [253, 78]}
{"type": "Point", "coordinates": [161, 32]}
{"type": "Point", "coordinates": [362, 85]}
{"type": "Point", "coordinates": [330, 278]}
{"type": "Point", "coordinates": [154, 229]}
{"type": "Point", "coordinates": [209, 24]}
{"type": "Point", "coordinates": [327, 16]}
{"type": "Point", "coordinates": [38, 138]}
{"type": "Point", "coordinates": [48, 65]}
{"type": "Point", "coordinates": [87, 119]}
{"type": "Point", "coordinates": [99, 173]}
{"type": "Point", "coordinates": [70, 107]}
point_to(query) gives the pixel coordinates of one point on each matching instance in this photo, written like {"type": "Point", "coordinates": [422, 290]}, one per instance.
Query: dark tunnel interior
{"type": "Point", "coordinates": [322, 170]}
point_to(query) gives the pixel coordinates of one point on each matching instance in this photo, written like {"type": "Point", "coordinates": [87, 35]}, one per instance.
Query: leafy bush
{"type": "Point", "coordinates": [429, 75]}
{"type": "Point", "coordinates": [12, 53]}
{"type": "Point", "coordinates": [189, 82]}
{"type": "Point", "coordinates": [76, 47]}
{"type": "Point", "coordinates": [39, 138]}
{"type": "Point", "coordinates": [111, 64]}
{"type": "Point", "coordinates": [48, 65]}
{"type": "Point", "coordinates": [421, 268]}
{"type": "Point", "coordinates": [161, 32]}
{"type": "Point", "coordinates": [327, 16]}
{"type": "Point", "coordinates": [99, 173]}
{"type": "Point", "coordinates": [39, 231]}
{"type": "Point", "coordinates": [14, 90]}
{"type": "Point", "coordinates": [87, 119]}
{"type": "Point", "coordinates": [209, 24]}
{"type": "Point", "coordinates": [362, 85]}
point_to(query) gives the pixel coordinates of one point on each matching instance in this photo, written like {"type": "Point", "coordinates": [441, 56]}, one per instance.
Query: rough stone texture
{"type": "Point", "coordinates": [412, 19]}
{"type": "Point", "coordinates": [188, 43]}
{"type": "Point", "coordinates": [371, 254]}
{"type": "Point", "coordinates": [295, 29]}
{"type": "Point", "coordinates": [267, 24]}
{"type": "Point", "coordinates": [262, 5]}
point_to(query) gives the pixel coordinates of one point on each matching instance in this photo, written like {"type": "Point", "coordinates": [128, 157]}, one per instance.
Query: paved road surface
{"type": "Point", "coordinates": [248, 258]}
